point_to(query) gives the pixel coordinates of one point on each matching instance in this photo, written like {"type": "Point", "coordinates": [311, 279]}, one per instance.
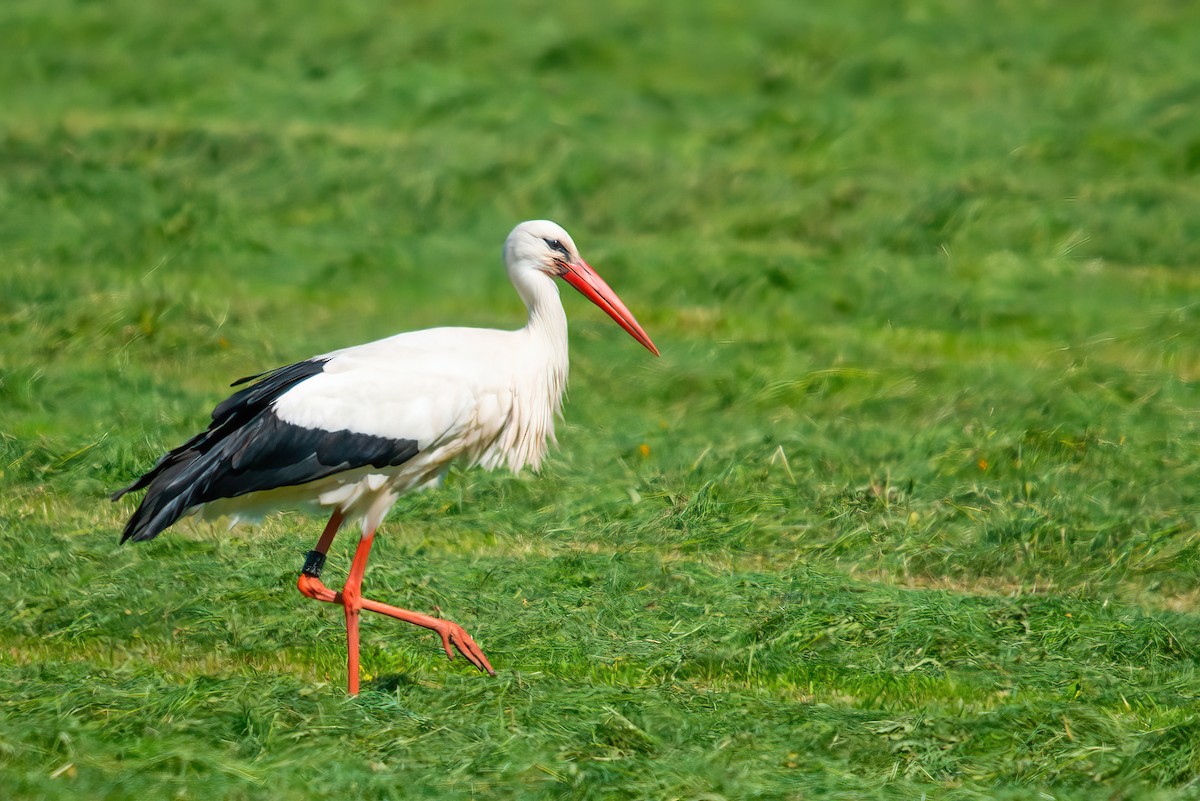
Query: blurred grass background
{"type": "Point", "coordinates": [907, 509]}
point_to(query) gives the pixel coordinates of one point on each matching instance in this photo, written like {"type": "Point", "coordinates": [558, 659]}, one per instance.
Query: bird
{"type": "Point", "coordinates": [350, 431]}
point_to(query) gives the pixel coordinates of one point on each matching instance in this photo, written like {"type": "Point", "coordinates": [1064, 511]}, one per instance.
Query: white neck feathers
{"type": "Point", "coordinates": [541, 377]}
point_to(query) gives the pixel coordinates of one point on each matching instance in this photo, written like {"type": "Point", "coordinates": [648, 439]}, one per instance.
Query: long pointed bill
{"type": "Point", "coordinates": [592, 287]}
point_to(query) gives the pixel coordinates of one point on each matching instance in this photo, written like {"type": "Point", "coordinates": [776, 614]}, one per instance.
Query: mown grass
{"type": "Point", "coordinates": [908, 508]}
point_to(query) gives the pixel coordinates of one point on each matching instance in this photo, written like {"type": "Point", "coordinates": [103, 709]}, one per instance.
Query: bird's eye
{"type": "Point", "coordinates": [554, 244]}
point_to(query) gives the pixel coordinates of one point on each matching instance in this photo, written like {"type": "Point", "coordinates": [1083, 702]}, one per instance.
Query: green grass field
{"type": "Point", "coordinates": [909, 507]}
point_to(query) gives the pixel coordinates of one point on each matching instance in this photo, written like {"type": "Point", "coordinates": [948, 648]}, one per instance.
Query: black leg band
{"type": "Point", "coordinates": [313, 562]}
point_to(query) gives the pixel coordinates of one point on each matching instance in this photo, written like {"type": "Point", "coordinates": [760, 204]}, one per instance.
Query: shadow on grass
{"type": "Point", "coordinates": [391, 682]}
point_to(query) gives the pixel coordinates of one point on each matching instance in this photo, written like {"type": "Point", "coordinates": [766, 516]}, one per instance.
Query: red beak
{"type": "Point", "coordinates": [592, 287]}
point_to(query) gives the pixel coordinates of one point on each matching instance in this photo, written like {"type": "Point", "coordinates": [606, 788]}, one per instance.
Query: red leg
{"type": "Point", "coordinates": [309, 583]}
{"type": "Point", "coordinates": [450, 632]}
{"type": "Point", "coordinates": [352, 648]}
{"type": "Point", "coordinates": [353, 603]}
{"type": "Point", "coordinates": [352, 600]}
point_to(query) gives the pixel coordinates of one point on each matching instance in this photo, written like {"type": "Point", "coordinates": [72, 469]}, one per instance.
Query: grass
{"type": "Point", "coordinates": [908, 508]}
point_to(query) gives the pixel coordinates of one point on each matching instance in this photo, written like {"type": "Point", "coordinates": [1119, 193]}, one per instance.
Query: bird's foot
{"type": "Point", "coordinates": [312, 587]}
{"type": "Point", "coordinates": [455, 634]}
{"type": "Point", "coordinates": [450, 632]}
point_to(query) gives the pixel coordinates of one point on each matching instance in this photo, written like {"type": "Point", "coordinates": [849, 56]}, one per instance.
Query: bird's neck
{"type": "Point", "coordinates": [541, 378]}
{"type": "Point", "coordinates": [547, 324]}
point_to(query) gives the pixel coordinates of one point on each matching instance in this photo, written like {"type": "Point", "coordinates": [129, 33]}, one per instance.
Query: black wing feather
{"type": "Point", "coordinates": [248, 448]}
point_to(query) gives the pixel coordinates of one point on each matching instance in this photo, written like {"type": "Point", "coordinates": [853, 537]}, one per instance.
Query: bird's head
{"type": "Point", "coordinates": [540, 245]}
{"type": "Point", "coordinates": [544, 246]}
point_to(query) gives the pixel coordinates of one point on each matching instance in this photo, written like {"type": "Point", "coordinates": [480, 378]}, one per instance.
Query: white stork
{"type": "Point", "coordinates": [352, 430]}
